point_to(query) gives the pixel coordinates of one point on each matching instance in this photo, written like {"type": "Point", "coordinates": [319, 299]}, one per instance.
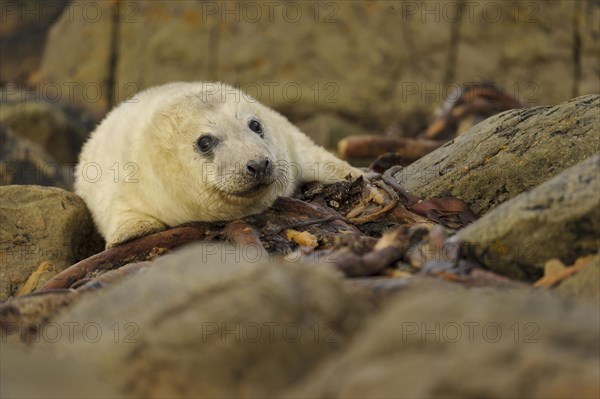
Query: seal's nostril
{"type": "Point", "coordinates": [252, 168]}
{"type": "Point", "coordinates": [263, 166]}
{"type": "Point", "coordinates": [259, 169]}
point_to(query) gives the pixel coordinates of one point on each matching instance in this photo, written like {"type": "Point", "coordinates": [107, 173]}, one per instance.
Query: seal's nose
{"type": "Point", "coordinates": [259, 169]}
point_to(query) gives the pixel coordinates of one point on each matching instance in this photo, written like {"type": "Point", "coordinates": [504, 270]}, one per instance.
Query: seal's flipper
{"type": "Point", "coordinates": [134, 225]}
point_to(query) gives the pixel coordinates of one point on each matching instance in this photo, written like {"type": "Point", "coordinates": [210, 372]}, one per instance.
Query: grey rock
{"type": "Point", "coordinates": [212, 321]}
{"type": "Point", "coordinates": [27, 374]}
{"type": "Point", "coordinates": [558, 219]}
{"type": "Point", "coordinates": [478, 343]}
{"type": "Point", "coordinates": [41, 224]}
{"type": "Point", "coordinates": [507, 154]}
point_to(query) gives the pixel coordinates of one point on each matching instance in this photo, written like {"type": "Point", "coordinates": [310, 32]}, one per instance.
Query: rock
{"type": "Point", "coordinates": [48, 126]}
{"type": "Point", "coordinates": [531, 58]}
{"type": "Point", "coordinates": [213, 321]}
{"type": "Point", "coordinates": [507, 154]}
{"type": "Point", "coordinates": [24, 162]}
{"type": "Point", "coordinates": [27, 374]}
{"type": "Point", "coordinates": [431, 343]}
{"type": "Point", "coordinates": [323, 63]}
{"type": "Point", "coordinates": [24, 319]}
{"type": "Point", "coordinates": [588, 30]}
{"type": "Point", "coordinates": [41, 224]}
{"type": "Point", "coordinates": [400, 61]}
{"type": "Point", "coordinates": [76, 65]}
{"type": "Point", "coordinates": [584, 285]}
{"type": "Point", "coordinates": [23, 33]}
{"type": "Point", "coordinates": [558, 219]}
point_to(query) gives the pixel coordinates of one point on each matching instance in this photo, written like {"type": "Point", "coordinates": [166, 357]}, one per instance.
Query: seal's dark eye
{"type": "Point", "coordinates": [255, 126]}
{"type": "Point", "coordinates": [206, 143]}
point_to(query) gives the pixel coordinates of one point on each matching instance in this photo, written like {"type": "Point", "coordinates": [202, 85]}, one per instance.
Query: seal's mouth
{"type": "Point", "coordinates": [244, 186]}
{"type": "Point", "coordinates": [253, 190]}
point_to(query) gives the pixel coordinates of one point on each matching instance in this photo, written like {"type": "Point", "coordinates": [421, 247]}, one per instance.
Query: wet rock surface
{"type": "Point", "coordinates": [508, 154]}
{"type": "Point", "coordinates": [37, 225]}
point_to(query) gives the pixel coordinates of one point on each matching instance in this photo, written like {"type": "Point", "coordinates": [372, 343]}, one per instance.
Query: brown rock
{"type": "Point", "coordinates": [587, 31]}
{"type": "Point", "coordinates": [41, 224]}
{"type": "Point", "coordinates": [76, 65]}
{"type": "Point", "coordinates": [529, 59]}
{"type": "Point", "coordinates": [398, 63]}
{"type": "Point", "coordinates": [25, 25]}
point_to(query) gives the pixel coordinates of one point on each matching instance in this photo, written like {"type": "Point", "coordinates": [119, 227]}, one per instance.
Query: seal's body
{"type": "Point", "coordinates": [193, 152]}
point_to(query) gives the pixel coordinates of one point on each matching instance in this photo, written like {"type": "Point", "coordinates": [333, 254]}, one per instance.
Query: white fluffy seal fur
{"type": "Point", "coordinates": [193, 152]}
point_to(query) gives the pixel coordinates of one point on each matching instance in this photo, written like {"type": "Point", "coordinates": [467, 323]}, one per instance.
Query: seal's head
{"type": "Point", "coordinates": [225, 149]}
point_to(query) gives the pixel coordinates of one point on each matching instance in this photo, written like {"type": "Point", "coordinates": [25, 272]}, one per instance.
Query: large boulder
{"type": "Point", "coordinates": [43, 230]}
{"type": "Point", "coordinates": [432, 343]}
{"type": "Point", "coordinates": [558, 219]}
{"type": "Point", "coordinates": [212, 321]}
{"type": "Point", "coordinates": [507, 154]}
